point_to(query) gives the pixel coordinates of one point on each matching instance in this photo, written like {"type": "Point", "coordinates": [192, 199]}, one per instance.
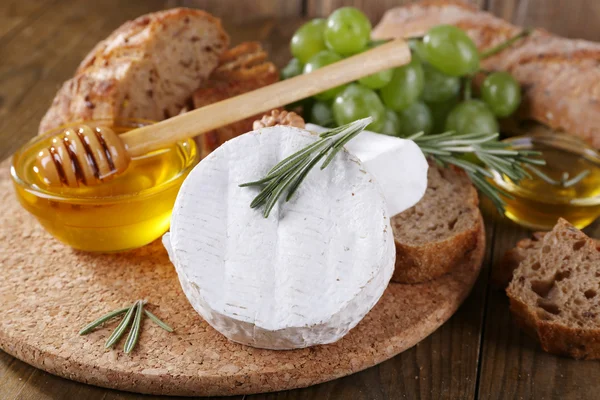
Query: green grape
{"type": "Point", "coordinates": [414, 119]}
{"type": "Point", "coordinates": [348, 31]}
{"type": "Point", "coordinates": [405, 87]}
{"type": "Point", "coordinates": [502, 93]}
{"type": "Point", "coordinates": [319, 60]}
{"type": "Point", "coordinates": [471, 116]}
{"type": "Point", "coordinates": [293, 68]}
{"type": "Point", "coordinates": [391, 123]}
{"type": "Point", "coordinates": [302, 107]}
{"type": "Point", "coordinates": [378, 79]}
{"type": "Point", "coordinates": [439, 87]}
{"type": "Point", "coordinates": [417, 49]}
{"type": "Point", "coordinates": [439, 113]}
{"type": "Point", "coordinates": [308, 40]}
{"type": "Point", "coordinates": [321, 114]}
{"type": "Point", "coordinates": [356, 102]}
{"type": "Point", "coordinates": [450, 50]}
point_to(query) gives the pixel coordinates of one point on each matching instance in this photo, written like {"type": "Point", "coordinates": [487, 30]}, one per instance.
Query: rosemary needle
{"type": "Point", "coordinates": [90, 327]}
{"type": "Point", "coordinates": [120, 329]}
{"type": "Point", "coordinates": [157, 321]}
{"type": "Point", "coordinates": [134, 332]}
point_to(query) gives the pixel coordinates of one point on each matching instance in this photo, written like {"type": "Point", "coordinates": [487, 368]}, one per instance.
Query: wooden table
{"type": "Point", "coordinates": [479, 353]}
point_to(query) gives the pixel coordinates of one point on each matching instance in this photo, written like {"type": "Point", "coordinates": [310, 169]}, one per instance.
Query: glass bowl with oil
{"type": "Point", "coordinates": [568, 186]}
{"type": "Point", "coordinates": [127, 212]}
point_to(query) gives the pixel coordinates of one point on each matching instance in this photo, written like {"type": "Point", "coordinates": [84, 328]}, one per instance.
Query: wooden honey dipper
{"type": "Point", "coordinates": [89, 156]}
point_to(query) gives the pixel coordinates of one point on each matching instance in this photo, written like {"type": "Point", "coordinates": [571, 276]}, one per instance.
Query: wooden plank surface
{"type": "Point", "coordinates": [478, 353]}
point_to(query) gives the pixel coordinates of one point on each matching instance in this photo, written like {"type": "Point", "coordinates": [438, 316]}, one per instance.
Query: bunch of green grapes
{"type": "Point", "coordinates": [431, 94]}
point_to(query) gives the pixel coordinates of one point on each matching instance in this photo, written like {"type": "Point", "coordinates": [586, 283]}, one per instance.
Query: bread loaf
{"type": "Point", "coordinates": [560, 77]}
{"type": "Point", "coordinates": [242, 69]}
{"type": "Point", "coordinates": [555, 292]}
{"type": "Point", "coordinates": [148, 69]}
{"type": "Point", "coordinates": [433, 236]}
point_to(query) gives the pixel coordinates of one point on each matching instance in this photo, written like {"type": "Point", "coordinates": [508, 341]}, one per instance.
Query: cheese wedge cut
{"type": "Point", "coordinates": [398, 165]}
{"type": "Point", "coordinates": [305, 275]}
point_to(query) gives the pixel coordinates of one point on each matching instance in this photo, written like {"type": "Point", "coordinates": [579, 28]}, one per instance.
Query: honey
{"type": "Point", "coordinates": [127, 212]}
{"type": "Point", "coordinates": [569, 186]}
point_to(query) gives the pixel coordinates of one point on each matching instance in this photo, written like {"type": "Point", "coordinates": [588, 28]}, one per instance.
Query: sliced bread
{"type": "Point", "coordinates": [243, 68]}
{"type": "Point", "coordinates": [433, 236]}
{"type": "Point", "coordinates": [555, 292]}
{"type": "Point", "coordinates": [148, 68]}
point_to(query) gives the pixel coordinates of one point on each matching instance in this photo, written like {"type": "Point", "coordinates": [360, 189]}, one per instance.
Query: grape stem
{"type": "Point", "coordinates": [497, 49]}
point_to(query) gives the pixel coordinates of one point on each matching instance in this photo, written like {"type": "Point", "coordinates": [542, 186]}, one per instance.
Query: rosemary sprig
{"type": "Point", "coordinates": [136, 310]}
{"type": "Point", "coordinates": [446, 149]}
{"type": "Point", "coordinates": [289, 173]}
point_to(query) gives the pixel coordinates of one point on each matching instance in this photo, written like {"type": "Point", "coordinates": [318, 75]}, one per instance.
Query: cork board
{"type": "Point", "coordinates": [48, 291]}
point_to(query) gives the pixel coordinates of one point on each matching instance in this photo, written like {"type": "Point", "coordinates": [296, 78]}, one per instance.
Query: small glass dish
{"type": "Point", "coordinates": [125, 213]}
{"type": "Point", "coordinates": [569, 188]}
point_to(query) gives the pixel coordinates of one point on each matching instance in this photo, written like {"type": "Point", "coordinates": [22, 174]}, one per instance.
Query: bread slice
{"type": "Point", "coordinates": [555, 292]}
{"type": "Point", "coordinates": [148, 68]}
{"type": "Point", "coordinates": [242, 69]}
{"type": "Point", "coordinates": [433, 236]}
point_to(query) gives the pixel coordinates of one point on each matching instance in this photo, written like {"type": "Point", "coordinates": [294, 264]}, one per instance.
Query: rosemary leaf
{"type": "Point", "coordinates": [447, 148]}
{"type": "Point", "coordinates": [286, 181]}
{"type": "Point", "coordinates": [90, 327]}
{"type": "Point", "coordinates": [289, 173]}
{"type": "Point", "coordinates": [134, 332]}
{"type": "Point", "coordinates": [302, 175]}
{"type": "Point", "coordinates": [120, 329]}
{"type": "Point", "coordinates": [575, 180]}
{"type": "Point", "coordinates": [157, 321]}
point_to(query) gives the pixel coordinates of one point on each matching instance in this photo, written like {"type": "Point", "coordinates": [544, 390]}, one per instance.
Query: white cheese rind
{"type": "Point", "coordinates": [304, 276]}
{"type": "Point", "coordinates": [398, 165]}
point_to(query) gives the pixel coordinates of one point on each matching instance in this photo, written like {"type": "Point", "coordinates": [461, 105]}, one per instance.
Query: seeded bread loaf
{"type": "Point", "coordinates": [243, 68]}
{"type": "Point", "coordinates": [148, 68]}
{"type": "Point", "coordinates": [554, 293]}
{"type": "Point", "coordinates": [433, 236]}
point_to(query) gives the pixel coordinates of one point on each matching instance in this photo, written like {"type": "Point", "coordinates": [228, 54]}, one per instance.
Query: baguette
{"type": "Point", "coordinates": [560, 77]}
{"type": "Point", "coordinates": [148, 69]}
{"type": "Point", "coordinates": [554, 292]}
{"type": "Point", "coordinates": [433, 236]}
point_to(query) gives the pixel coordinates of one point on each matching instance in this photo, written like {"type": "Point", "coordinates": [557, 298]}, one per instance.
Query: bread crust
{"type": "Point", "coordinates": [242, 68]}
{"type": "Point", "coordinates": [560, 77]}
{"type": "Point", "coordinates": [133, 74]}
{"type": "Point", "coordinates": [424, 261]}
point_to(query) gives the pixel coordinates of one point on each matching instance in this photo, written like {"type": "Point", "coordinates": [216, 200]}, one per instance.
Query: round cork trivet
{"type": "Point", "coordinates": [48, 291]}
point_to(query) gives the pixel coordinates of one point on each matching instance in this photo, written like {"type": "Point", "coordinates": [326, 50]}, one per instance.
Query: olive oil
{"type": "Point", "coordinates": [571, 192]}
{"type": "Point", "coordinates": [124, 213]}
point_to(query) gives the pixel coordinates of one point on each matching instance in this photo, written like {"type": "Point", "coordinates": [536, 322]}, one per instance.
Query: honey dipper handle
{"type": "Point", "coordinates": [153, 137]}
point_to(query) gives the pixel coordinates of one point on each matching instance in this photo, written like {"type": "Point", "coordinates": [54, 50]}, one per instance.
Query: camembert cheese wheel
{"type": "Point", "coordinates": [305, 275]}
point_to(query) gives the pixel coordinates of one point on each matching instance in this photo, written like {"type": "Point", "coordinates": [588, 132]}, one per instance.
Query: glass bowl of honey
{"type": "Point", "coordinates": [568, 186]}
{"type": "Point", "coordinates": [124, 213]}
